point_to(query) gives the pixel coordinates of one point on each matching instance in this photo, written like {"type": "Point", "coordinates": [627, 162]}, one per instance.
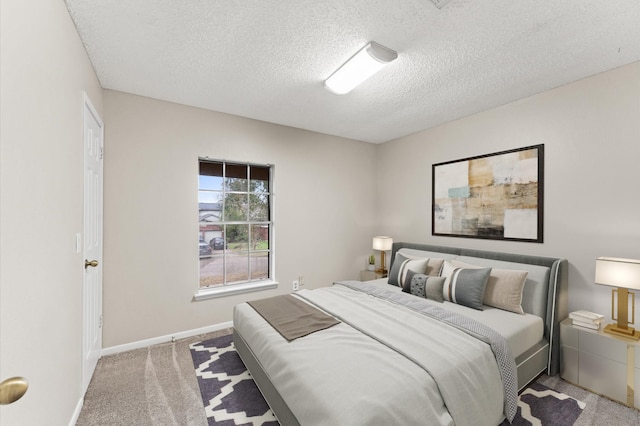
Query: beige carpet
{"type": "Point", "coordinates": [158, 386]}
{"type": "Point", "coordinates": [150, 386]}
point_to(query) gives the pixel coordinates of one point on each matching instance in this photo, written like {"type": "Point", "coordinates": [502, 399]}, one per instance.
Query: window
{"type": "Point", "coordinates": [234, 203]}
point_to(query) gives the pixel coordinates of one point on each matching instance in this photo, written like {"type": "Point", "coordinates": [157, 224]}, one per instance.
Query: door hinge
{"type": "Point", "coordinates": [100, 322]}
{"type": "Point", "coordinates": [101, 152]}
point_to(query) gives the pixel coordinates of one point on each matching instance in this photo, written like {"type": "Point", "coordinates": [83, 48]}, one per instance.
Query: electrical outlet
{"type": "Point", "coordinates": [296, 285]}
{"type": "Point", "coordinates": [301, 281]}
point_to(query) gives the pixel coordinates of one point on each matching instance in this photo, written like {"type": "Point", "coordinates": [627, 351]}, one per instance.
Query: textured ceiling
{"type": "Point", "coordinates": [268, 59]}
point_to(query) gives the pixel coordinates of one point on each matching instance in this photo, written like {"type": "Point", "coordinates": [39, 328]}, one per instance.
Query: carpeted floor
{"type": "Point", "coordinates": [158, 386]}
{"type": "Point", "coordinates": [150, 386]}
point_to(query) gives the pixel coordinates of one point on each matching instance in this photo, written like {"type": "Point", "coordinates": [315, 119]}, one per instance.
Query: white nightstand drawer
{"type": "Point", "coordinates": [569, 359]}
{"type": "Point", "coordinates": [570, 334]}
{"type": "Point", "coordinates": [636, 398]}
{"type": "Point", "coordinates": [366, 275]}
{"type": "Point", "coordinates": [603, 376]}
{"type": "Point", "coordinates": [592, 343]}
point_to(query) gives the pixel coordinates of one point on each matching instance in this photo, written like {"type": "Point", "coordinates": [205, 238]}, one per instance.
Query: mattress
{"type": "Point", "coordinates": [520, 331]}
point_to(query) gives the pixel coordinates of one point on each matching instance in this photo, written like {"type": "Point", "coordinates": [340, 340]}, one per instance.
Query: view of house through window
{"type": "Point", "coordinates": [234, 203]}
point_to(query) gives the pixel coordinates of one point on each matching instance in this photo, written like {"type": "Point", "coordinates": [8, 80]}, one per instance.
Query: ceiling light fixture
{"type": "Point", "coordinates": [368, 61]}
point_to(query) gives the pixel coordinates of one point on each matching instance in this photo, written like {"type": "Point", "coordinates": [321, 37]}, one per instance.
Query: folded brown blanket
{"type": "Point", "coordinates": [292, 317]}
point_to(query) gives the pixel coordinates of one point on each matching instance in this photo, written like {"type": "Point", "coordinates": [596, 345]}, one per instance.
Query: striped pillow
{"type": "Point", "coordinates": [465, 286]}
{"type": "Point", "coordinates": [403, 263]}
{"type": "Point", "coordinates": [504, 289]}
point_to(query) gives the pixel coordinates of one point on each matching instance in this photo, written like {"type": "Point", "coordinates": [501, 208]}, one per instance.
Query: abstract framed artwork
{"type": "Point", "coordinates": [497, 196]}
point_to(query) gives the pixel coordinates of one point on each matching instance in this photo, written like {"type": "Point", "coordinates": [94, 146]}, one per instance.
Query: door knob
{"type": "Point", "coordinates": [12, 390]}
{"type": "Point", "coordinates": [92, 263]}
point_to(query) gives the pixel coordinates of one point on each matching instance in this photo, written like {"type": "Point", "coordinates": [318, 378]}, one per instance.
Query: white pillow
{"type": "Point", "coordinates": [416, 265]}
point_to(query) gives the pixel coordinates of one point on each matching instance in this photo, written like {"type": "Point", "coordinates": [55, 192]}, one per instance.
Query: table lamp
{"type": "Point", "coordinates": [383, 244]}
{"type": "Point", "coordinates": [623, 274]}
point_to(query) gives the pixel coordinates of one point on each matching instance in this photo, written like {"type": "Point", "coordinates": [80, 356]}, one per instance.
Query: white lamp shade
{"type": "Point", "coordinates": [368, 61]}
{"type": "Point", "coordinates": [617, 272]}
{"type": "Point", "coordinates": [382, 243]}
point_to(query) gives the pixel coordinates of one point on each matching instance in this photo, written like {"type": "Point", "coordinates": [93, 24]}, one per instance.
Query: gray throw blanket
{"type": "Point", "coordinates": [291, 317]}
{"type": "Point", "coordinates": [498, 344]}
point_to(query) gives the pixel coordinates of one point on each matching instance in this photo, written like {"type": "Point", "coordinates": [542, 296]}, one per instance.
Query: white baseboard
{"type": "Point", "coordinates": [164, 339]}
{"type": "Point", "coordinates": [76, 412]}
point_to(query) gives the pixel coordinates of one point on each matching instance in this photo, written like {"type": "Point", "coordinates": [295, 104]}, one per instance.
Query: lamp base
{"type": "Point", "coordinates": [629, 332]}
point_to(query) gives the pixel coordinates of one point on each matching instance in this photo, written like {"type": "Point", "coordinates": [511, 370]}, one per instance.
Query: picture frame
{"type": "Point", "coordinates": [498, 196]}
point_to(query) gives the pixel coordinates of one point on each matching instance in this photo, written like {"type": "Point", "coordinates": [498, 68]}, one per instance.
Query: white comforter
{"type": "Point", "coordinates": [384, 364]}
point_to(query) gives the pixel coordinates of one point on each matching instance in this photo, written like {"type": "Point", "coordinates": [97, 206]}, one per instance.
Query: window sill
{"type": "Point", "coordinates": [212, 293]}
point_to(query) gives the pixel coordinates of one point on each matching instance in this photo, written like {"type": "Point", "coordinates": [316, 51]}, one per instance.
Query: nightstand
{"type": "Point", "coordinates": [366, 275]}
{"type": "Point", "coordinates": [600, 362]}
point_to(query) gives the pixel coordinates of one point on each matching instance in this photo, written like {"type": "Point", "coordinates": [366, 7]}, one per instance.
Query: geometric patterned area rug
{"type": "Point", "coordinates": [539, 405]}
{"type": "Point", "coordinates": [231, 397]}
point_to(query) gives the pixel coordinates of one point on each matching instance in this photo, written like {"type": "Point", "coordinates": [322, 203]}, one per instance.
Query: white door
{"type": "Point", "coordinates": [92, 242]}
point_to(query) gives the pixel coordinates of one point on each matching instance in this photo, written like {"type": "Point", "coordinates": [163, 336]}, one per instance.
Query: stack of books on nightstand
{"type": "Point", "coordinates": [586, 319]}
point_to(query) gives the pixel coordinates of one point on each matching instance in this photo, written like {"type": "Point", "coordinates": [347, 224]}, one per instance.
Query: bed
{"type": "Point", "coordinates": [401, 357]}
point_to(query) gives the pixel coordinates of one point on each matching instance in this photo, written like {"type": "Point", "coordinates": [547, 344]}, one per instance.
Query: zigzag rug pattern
{"type": "Point", "coordinates": [231, 397]}
{"type": "Point", "coordinates": [539, 405]}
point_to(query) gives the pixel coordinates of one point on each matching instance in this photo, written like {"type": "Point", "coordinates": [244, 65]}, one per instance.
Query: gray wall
{"type": "Point", "coordinates": [323, 210]}
{"type": "Point", "coordinates": [591, 133]}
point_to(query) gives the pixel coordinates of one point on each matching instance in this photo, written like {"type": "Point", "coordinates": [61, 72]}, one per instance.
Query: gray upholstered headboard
{"type": "Point", "coordinates": [550, 304]}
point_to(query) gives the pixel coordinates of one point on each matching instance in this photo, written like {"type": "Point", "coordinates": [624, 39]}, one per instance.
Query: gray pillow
{"type": "Point", "coordinates": [504, 288]}
{"type": "Point", "coordinates": [465, 286]}
{"type": "Point", "coordinates": [401, 264]}
{"type": "Point", "coordinates": [423, 285]}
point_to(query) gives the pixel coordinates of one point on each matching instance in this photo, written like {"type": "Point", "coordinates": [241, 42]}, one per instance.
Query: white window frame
{"type": "Point", "coordinates": [224, 290]}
